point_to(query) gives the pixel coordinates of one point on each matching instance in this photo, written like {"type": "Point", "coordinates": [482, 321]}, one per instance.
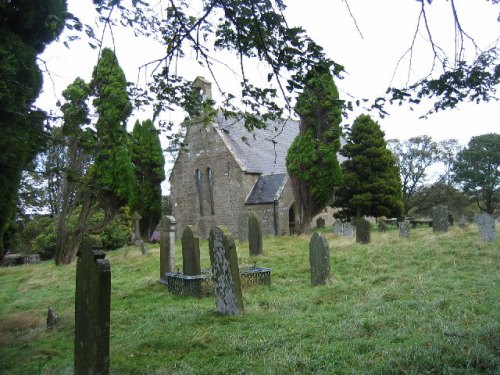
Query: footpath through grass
{"type": "Point", "coordinates": [428, 304]}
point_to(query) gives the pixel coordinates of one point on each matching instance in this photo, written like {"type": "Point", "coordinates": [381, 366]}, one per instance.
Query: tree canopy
{"type": "Point", "coordinates": [477, 169]}
{"type": "Point", "coordinates": [371, 185]}
{"type": "Point", "coordinates": [149, 172]}
{"type": "Point", "coordinates": [26, 28]}
{"type": "Point", "coordinates": [312, 158]}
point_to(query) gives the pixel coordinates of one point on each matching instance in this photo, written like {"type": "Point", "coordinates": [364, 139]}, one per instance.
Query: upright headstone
{"type": "Point", "coordinates": [319, 259]}
{"type": "Point", "coordinates": [486, 227]}
{"type": "Point", "coordinates": [52, 318]}
{"type": "Point", "coordinates": [320, 222]}
{"type": "Point", "coordinates": [190, 252]}
{"type": "Point", "coordinates": [347, 230]}
{"type": "Point", "coordinates": [462, 223]}
{"type": "Point", "coordinates": [136, 231]}
{"type": "Point", "coordinates": [225, 272]}
{"type": "Point", "coordinates": [254, 235]}
{"type": "Point", "coordinates": [362, 231]}
{"type": "Point", "coordinates": [92, 312]}
{"type": "Point", "coordinates": [338, 228]}
{"type": "Point", "coordinates": [167, 245]}
{"type": "Point", "coordinates": [404, 229]}
{"type": "Point", "coordinates": [440, 218]}
{"type": "Point", "coordinates": [381, 226]}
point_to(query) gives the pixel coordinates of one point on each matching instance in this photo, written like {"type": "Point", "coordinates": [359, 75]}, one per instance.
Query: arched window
{"type": "Point", "coordinates": [199, 181]}
{"type": "Point", "coordinates": [211, 189]}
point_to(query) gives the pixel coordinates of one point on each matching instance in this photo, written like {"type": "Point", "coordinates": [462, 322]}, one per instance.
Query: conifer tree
{"type": "Point", "coordinates": [312, 158]}
{"type": "Point", "coordinates": [149, 172]}
{"type": "Point", "coordinates": [372, 185]}
{"type": "Point", "coordinates": [26, 28]}
{"type": "Point", "coordinates": [107, 184]}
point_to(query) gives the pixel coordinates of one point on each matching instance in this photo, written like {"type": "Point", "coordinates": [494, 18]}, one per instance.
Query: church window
{"type": "Point", "coordinates": [211, 189]}
{"type": "Point", "coordinates": [199, 182]}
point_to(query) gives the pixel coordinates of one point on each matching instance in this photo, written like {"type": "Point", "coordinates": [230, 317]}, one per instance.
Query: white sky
{"type": "Point", "coordinates": [387, 26]}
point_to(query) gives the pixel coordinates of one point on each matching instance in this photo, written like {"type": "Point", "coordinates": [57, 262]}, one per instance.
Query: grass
{"type": "Point", "coordinates": [428, 304]}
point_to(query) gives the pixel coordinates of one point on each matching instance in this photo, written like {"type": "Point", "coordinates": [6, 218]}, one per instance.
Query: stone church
{"type": "Point", "coordinates": [228, 172]}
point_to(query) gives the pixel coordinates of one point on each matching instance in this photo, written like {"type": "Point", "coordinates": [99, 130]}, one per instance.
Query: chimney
{"type": "Point", "coordinates": [205, 87]}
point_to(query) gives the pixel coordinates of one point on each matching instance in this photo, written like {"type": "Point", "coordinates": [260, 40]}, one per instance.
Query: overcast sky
{"type": "Point", "coordinates": [387, 27]}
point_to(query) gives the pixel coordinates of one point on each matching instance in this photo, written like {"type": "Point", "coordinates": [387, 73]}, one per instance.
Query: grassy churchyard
{"type": "Point", "coordinates": [427, 304]}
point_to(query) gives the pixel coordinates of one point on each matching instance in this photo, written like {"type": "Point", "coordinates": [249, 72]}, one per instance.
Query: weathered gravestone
{"type": "Point", "coordinates": [319, 259]}
{"type": "Point", "coordinates": [136, 231]}
{"type": "Point", "coordinates": [320, 222]}
{"type": "Point", "coordinates": [190, 252]}
{"type": "Point", "coordinates": [404, 229]}
{"type": "Point", "coordinates": [462, 223]}
{"type": "Point", "coordinates": [225, 272]}
{"type": "Point", "coordinates": [440, 218]}
{"type": "Point", "coordinates": [92, 311]}
{"type": "Point", "coordinates": [486, 227]}
{"type": "Point", "coordinates": [254, 235]}
{"type": "Point", "coordinates": [167, 245]}
{"type": "Point", "coordinates": [381, 226]}
{"type": "Point", "coordinates": [362, 231]}
{"type": "Point", "coordinates": [52, 318]}
{"type": "Point", "coordinates": [338, 227]}
{"type": "Point", "coordinates": [347, 230]}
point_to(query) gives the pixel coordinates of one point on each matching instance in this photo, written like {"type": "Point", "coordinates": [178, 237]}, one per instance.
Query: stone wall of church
{"type": "Point", "coordinates": [208, 187]}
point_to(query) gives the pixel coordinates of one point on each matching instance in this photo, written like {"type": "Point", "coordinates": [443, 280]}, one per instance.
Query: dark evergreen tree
{"type": "Point", "coordinates": [372, 185]}
{"type": "Point", "coordinates": [312, 158]}
{"type": "Point", "coordinates": [149, 172]}
{"type": "Point", "coordinates": [108, 182]}
{"type": "Point", "coordinates": [26, 27]}
{"type": "Point", "coordinates": [477, 170]}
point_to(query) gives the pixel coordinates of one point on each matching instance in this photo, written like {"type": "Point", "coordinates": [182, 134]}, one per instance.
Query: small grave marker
{"type": "Point", "coordinates": [254, 235]}
{"type": "Point", "coordinates": [319, 259]}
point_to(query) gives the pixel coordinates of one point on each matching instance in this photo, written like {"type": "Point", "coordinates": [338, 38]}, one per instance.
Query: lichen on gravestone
{"type": "Point", "coordinates": [440, 218]}
{"type": "Point", "coordinates": [404, 229]}
{"type": "Point", "coordinates": [254, 235]}
{"type": "Point", "coordinates": [486, 227]}
{"type": "Point", "coordinates": [319, 260]}
{"type": "Point", "coordinates": [225, 272]}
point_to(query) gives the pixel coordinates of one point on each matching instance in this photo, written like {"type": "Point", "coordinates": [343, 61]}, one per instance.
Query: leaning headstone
{"type": "Point", "coordinates": [404, 229]}
{"type": "Point", "coordinates": [225, 272]}
{"type": "Point", "coordinates": [319, 259]}
{"type": "Point", "coordinates": [52, 318]}
{"type": "Point", "coordinates": [254, 235]}
{"type": "Point", "coordinates": [167, 245]}
{"type": "Point", "coordinates": [486, 227]}
{"type": "Point", "coordinates": [190, 252]}
{"type": "Point", "coordinates": [320, 222]}
{"type": "Point", "coordinates": [440, 218]}
{"type": "Point", "coordinates": [362, 231]}
{"type": "Point", "coordinates": [338, 228]}
{"type": "Point", "coordinates": [92, 312]}
{"type": "Point", "coordinates": [347, 230]}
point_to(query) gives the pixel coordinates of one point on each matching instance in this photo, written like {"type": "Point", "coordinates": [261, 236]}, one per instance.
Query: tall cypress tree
{"type": "Point", "coordinates": [312, 158]}
{"type": "Point", "coordinates": [372, 185]}
{"type": "Point", "coordinates": [149, 172]}
{"type": "Point", "coordinates": [108, 183]}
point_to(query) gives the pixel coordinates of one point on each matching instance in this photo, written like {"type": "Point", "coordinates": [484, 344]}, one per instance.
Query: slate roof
{"type": "Point", "coordinates": [267, 189]}
{"type": "Point", "coordinates": [262, 151]}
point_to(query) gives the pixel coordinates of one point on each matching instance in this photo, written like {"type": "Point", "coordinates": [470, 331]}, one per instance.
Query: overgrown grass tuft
{"type": "Point", "coordinates": [428, 304]}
